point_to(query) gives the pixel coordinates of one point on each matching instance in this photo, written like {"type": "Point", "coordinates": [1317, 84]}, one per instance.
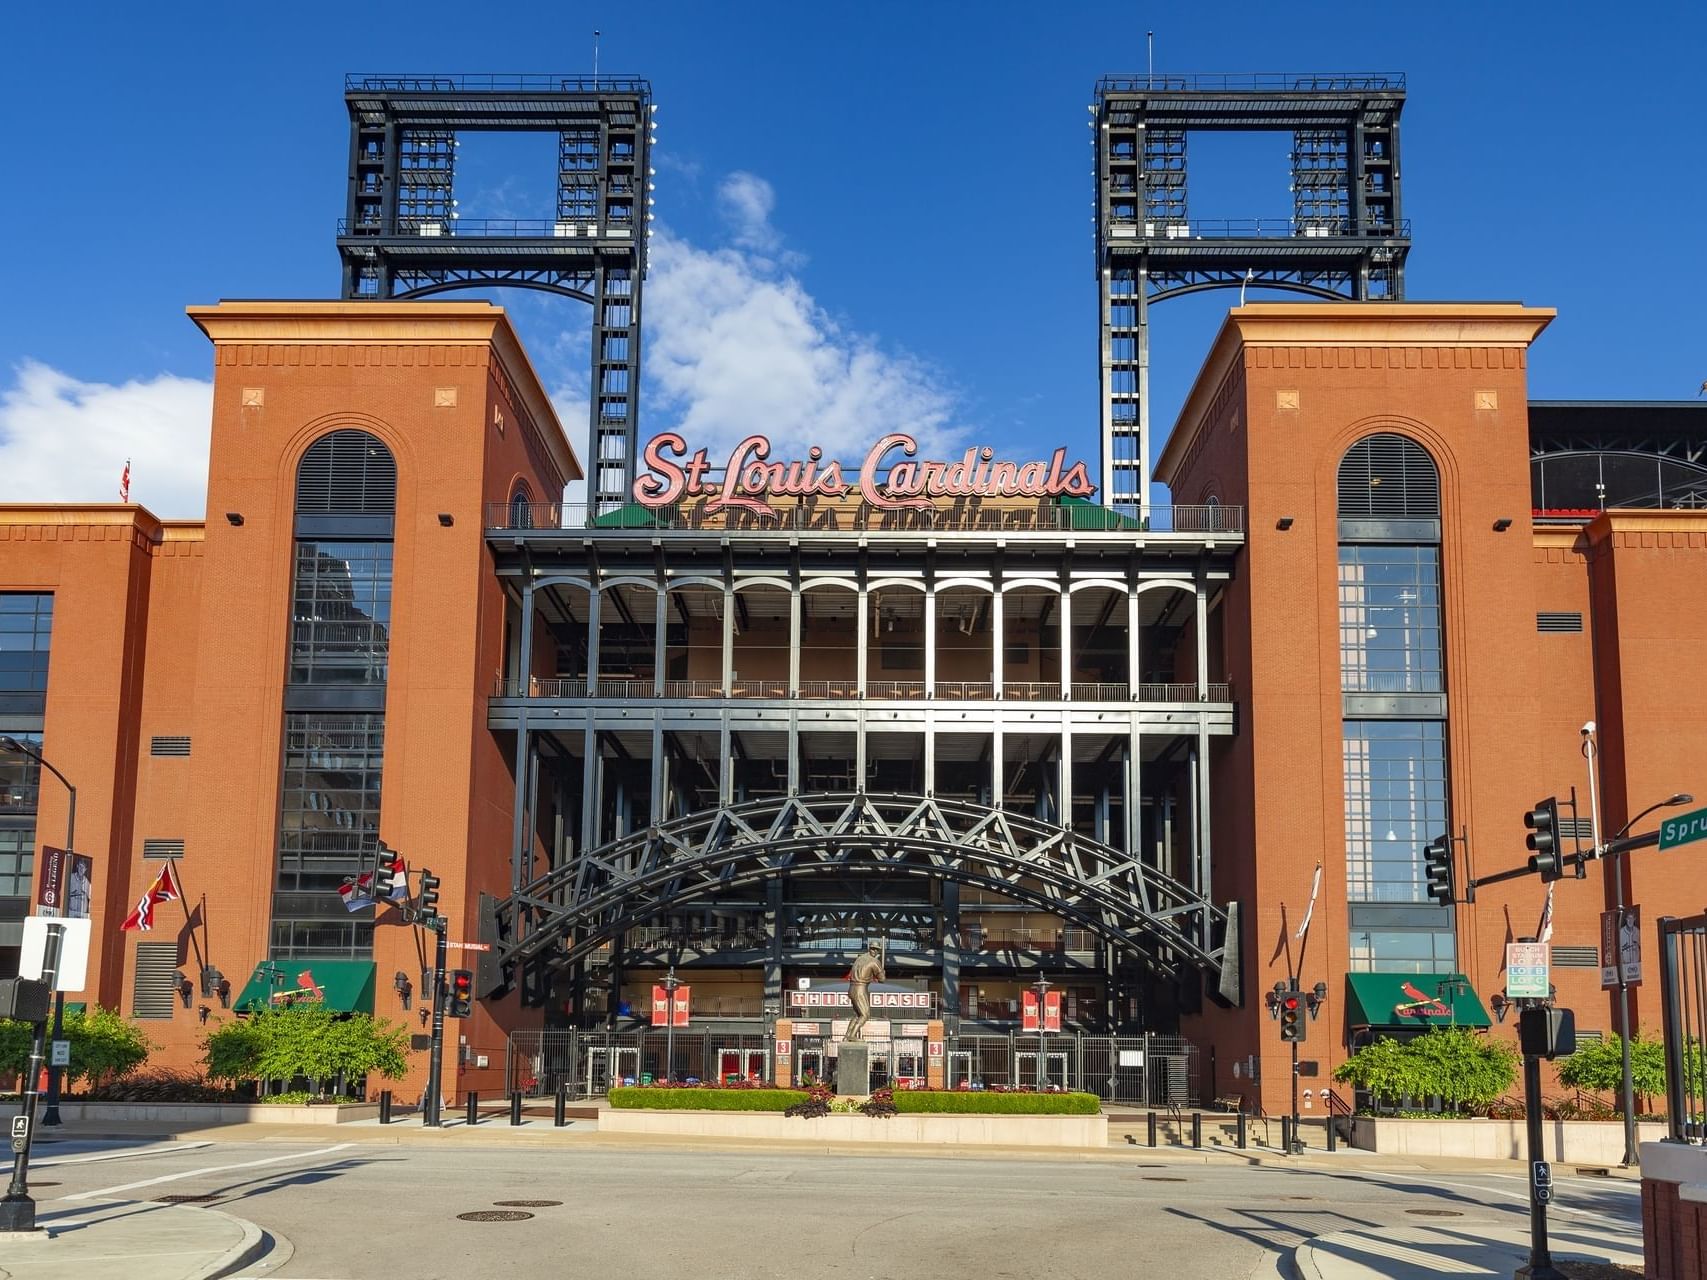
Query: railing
{"type": "Point", "coordinates": [493, 228]}
{"type": "Point", "coordinates": [813, 515]}
{"type": "Point", "coordinates": [1067, 941]}
{"type": "Point", "coordinates": [640, 688]}
{"type": "Point", "coordinates": [1270, 81]}
{"type": "Point", "coordinates": [1259, 228]}
{"type": "Point", "coordinates": [1683, 1009]}
{"type": "Point", "coordinates": [519, 83]}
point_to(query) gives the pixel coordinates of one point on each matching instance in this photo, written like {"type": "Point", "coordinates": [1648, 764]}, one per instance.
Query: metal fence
{"type": "Point", "coordinates": [1143, 1070]}
{"type": "Point", "coordinates": [1683, 1001]}
{"type": "Point", "coordinates": [831, 517]}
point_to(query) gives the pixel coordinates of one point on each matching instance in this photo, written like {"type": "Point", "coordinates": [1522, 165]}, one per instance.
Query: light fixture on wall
{"type": "Point", "coordinates": [446, 519]}
{"type": "Point", "coordinates": [234, 518]}
{"type": "Point", "coordinates": [403, 988]}
{"type": "Point", "coordinates": [1502, 524]}
{"type": "Point", "coordinates": [1498, 1005]}
{"type": "Point", "coordinates": [1284, 523]}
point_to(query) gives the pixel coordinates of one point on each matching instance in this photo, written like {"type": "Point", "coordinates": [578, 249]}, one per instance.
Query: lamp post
{"type": "Point", "coordinates": [670, 983]}
{"type": "Point", "coordinates": [13, 745]}
{"type": "Point", "coordinates": [1041, 986]}
{"type": "Point", "coordinates": [1591, 754]}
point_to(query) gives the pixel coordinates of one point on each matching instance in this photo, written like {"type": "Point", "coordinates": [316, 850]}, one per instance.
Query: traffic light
{"type": "Point", "coordinates": [461, 993]}
{"type": "Point", "coordinates": [1294, 1026]}
{"type": "Point", "coordinates": [1437, 867]}
{"type": "Point", "coordinates": [429, 900]}
{"type": "Point", "coordinates": [391, 882]}
{"type": "Point", "coordinates": [1543, 839]}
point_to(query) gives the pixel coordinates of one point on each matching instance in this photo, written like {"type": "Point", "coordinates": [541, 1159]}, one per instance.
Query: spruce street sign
{"type": "Point", "coordinates": [1684, 829]}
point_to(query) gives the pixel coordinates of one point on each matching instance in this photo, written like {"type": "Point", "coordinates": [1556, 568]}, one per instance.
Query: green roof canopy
{"type": "Point", "coordinates": [1412, 1001]}
{"type": "Point", "coordinates": [345, 986]}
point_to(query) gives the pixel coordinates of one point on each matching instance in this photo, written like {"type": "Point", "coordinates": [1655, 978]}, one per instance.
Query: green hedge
{"type": "Point", "coordinates": [640, 1098]}
{"type": "Point", "coordinates": [909, 1101]}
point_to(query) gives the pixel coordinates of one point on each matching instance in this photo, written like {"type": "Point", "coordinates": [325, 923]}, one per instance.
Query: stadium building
{"type": "Point", "coordinates": [1082, 767]}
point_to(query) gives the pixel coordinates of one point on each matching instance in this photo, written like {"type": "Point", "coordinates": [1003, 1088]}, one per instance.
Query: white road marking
{"type": "Point", "coordinates": [196, 1173]}
{"type": "Point", "coordinates": [117, 1155]}
{"type": "Point", "coordinates": [1556, 1207]}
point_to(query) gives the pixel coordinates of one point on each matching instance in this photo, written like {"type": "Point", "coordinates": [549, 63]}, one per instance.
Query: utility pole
{"type": "Point", "coordinates": [435, 1061]}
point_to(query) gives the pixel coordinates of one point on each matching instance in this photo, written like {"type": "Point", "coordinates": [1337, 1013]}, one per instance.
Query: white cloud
{"type": "Point", "coordinates": [62, 440]}
{"type": "Point", "coordinates": [736, 344]}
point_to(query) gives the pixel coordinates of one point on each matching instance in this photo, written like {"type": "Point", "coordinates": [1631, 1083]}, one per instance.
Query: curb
{"type": "Point", "coordinates": [252, 1247]}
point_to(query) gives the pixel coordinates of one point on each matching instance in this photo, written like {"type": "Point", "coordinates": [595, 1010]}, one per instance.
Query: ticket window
{"type": "Point", "coordinates": [909, 1069]}
{"type": "Point", "coordinates": [743, 1064]}
{"type": "Point", "coordinates": [960, 1069]}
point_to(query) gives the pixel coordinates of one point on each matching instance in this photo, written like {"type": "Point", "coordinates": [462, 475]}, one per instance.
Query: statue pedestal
{"type": "Point", "coordinates": [853, 1069]}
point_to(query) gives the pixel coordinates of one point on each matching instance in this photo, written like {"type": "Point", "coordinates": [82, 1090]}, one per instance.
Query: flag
{"type": "Point", "coordinates": [398, 888]}
{"type": "Point", "coordinates": [1315, 888]}
{"type": "Point", "coordinates": [164, 889]}
{"type": "Point", "coordinates": [124, 483]}
{"type": "Point", "coordinates": [1544, 930]}
{"type": "Point", "coordinates": [357, 891]}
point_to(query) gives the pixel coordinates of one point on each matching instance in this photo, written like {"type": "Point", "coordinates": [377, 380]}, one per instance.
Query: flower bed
{"type": "Point", "coordinates": [688, 1098]}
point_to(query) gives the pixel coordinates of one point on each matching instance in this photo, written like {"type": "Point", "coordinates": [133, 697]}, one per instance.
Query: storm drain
{"type": "Point", "coordinates": [1152, 1177]}
{"type": "Point", "coordinates": [493, 1215]}
{"type": "Point", "coordinates": [1434, 1213]}
{"type": "Point", "coordinates": [527, 1204]}
{"type": "Point", "coordinates": [182, 1198]}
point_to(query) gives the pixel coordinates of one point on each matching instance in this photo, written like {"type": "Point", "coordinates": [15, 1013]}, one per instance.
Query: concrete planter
{"type": "Point", "coordinates": [996, 1131]}
{"type": "Point", "coordinates": [1591, 1142]}
{"type": "Point", "coordinates": [207, 1113]}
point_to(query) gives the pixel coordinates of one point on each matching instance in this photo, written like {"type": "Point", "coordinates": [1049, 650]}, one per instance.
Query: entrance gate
{"type": "Point", "coordinates": [1054, 1074]}
{"type": "Point", "coordinates": [741, 1064]}
{"type": "Point", "coordinates": [609, 1065]}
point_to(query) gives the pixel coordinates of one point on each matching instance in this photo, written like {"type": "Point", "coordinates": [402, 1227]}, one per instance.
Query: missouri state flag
{"type": "Point", "coordinates": [164, 889]}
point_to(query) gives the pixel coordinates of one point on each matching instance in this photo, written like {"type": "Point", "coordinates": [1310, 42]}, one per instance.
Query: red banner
{"type": "Point", "coordinates": [1052, 1011]}
{"type": "Point", "coordinates": [1028, 1011]}
{"type": "Point", "coordinates": [683, 996]}
{"type": "Point", "coordinates": [660, 1006]}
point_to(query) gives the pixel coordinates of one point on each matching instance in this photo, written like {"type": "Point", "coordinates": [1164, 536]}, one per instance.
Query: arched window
{"type": "Point", "coordinates": [1388, 477]}
{"type": "Point", "coordinates": [521, 509]}
{"type": "Point", "coordinates": [346, 473]}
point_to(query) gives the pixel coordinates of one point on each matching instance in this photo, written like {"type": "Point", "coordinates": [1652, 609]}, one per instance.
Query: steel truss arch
{"type": "Point", "coordinates": [577, 908]}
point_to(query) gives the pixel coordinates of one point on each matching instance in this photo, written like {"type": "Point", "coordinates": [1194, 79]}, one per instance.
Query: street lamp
{"type": "Point", "coordinates": [670, 983]}
{"type": "Point", "coordinates": [15, 747]}
{"type": "Point", "coordinates": [1041, 986]}
{"type": "Point", "coordinates": [1591, 754]}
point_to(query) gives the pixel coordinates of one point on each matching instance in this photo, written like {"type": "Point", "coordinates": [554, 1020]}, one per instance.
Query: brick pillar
{"type": "Point", "coordinates": [782, 1063]}
{"type": "Point", "coordinates": [936, 1059]}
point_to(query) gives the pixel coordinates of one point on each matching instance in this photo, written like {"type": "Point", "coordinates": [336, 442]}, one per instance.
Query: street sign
{"type": "Point", "coordinates": [469, 946]}
{"type": "Point", "coordinates": [20, 1126]}
{"type": "Point", "coordinates": [1686, 829]}
{"type": "Point", "coordinates": [61, 1054]}
{"type": "Point", "coordinates": [1527, 970]}
{"type": "Point", "coordinates": [73, 950]}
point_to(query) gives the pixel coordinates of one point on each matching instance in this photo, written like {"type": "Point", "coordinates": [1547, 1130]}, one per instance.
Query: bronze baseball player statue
{"type": "Point", "coordinates": [867, 968]}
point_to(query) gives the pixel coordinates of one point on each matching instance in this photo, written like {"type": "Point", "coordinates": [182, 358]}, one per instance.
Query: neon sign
{"type": "Point", "coordinates": [891, 478]}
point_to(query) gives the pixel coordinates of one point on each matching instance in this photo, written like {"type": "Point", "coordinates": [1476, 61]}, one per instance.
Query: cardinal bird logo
{"type": "Point", "coordinates": [1421, 1006]}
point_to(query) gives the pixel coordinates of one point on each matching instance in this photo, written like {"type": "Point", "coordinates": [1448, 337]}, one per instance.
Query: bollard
{"type": "Point", "coordinates": [473, 1109]}
{"type": "Point", "coordinates": [516, 1107]}
{"type": "Point", "coordinates": [1243, 1134]}
{"type": "Point", "coordinates": [1286, 1135]}
{"type": "Point", "coordinates": [385, 1106]}
{"type": "Point", "coordinates": [1197, 1129]}
{"type": "Point", "coordinates": [560, 1108]}
{"type": "Point", "coordinates": [1333, 1138]}
{"type": "Point", "coordinates": [1152, 1126]}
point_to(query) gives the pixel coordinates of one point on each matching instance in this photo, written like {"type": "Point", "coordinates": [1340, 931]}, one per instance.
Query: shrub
{"type": "Point", "coordinates": [104, 1046]}
{"type": "Point", "coordinates": [881, 1104]}
{"type": "Point", "coordinates": [303, 1041]}
{"type": "Point", "coordinates": [817, 1103]}
{"type": "Point", "coordinates": [162, 1084]}
{"type": "Point", "coordinates": [1464, 1069]}
{"type": "Point", "coordinates": [924, 1101]}
{"type": "Point", "coordinates": [1598, 1065]}
{"type": "Point", "coordinates": [651, 1098]}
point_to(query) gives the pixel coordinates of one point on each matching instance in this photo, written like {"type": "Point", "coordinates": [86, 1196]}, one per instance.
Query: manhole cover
{"type": "Point", "coordinates": [493, 1215]}
{"type": "Point", "coordinates": [180, 1199]}
{"type": "Point", "coordinates": [527, 1204]}
{"type": "Point", "coordinates": [1434, 1213]}
{"type": "Point", "coordinates": [1151, 1177]}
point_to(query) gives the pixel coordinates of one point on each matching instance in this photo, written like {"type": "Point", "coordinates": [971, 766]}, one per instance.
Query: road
{"type": "Point", "coordinates": [357, 1210]}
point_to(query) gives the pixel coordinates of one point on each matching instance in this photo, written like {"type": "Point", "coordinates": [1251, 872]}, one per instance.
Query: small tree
{"type": "Point", "coordinates": [306, 1041]}
{"type": "Point", "coordinates": [104, 1047]}
{"type": "Point", "coordinates": [1598, 1065]}
{"type": "Point", "coordinates": [1463, 1068]}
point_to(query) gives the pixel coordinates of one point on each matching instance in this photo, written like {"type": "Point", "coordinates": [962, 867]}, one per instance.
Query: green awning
{"type": "Point", "coordinates": [1412, 1001]}
{"type": "Point", "coordinates": [342, 985]}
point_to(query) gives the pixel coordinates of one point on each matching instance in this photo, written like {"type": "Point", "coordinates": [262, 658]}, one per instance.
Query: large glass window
{"type": "Point", "coordinates": [1395, 803]}
{"type": "Point", "coordinates": [329, 819]}
{"type": "Point", "coordinates": [1402, 951]}
{"type": "Point", "coordinates": [20, 777]}
{"type": "Point", "coordinates": [340, 612]}
{"type": "Point", "coordinates": [1390, 619]}
{"type": "Point", "coordinates": [26, 626]}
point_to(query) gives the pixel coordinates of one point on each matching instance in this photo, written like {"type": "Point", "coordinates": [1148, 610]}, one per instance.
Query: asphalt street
{"type": "Point", "coordinates": [352, 1211]}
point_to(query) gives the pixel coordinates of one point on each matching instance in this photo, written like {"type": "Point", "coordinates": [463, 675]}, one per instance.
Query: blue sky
{"type": "Point", "coordinates": [896, 194]}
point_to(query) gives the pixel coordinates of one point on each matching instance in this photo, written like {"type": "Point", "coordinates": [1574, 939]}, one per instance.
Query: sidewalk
{"type": "Point", "coordinates": [138, 1239]}
{"type": "Point", "coordinates": [1428, 1253]}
